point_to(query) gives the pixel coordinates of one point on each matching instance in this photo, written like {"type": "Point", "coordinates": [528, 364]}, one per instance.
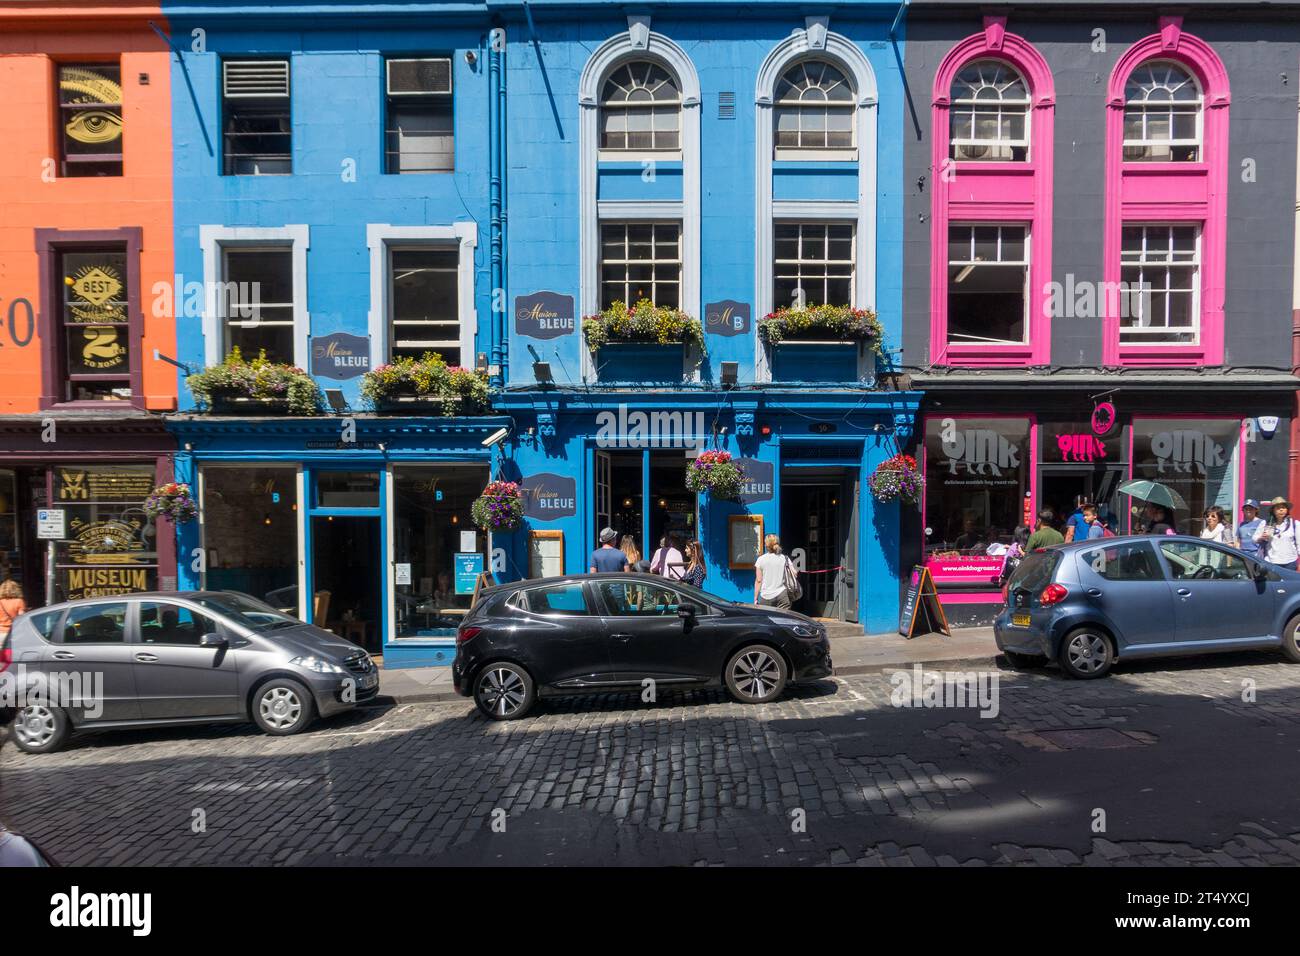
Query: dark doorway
{"type": "Point", "coordinates": [347, 575]}
{"type": "Point", "coordinates": [818, 522]}
{"type": "Point", "coordinates": [1060, 488]}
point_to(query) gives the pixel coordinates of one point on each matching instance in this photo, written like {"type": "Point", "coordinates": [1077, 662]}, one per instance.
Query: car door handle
{"type": "Point", "coordinates": [1184, 592]}
{"type": "Point", "coordinates": [1094, 592]}
{"type": "Point", "coordinates": [146, 658]}
{"type": "Point", "coordinates": [621, 637]}
{"type": "Point", "coordinates": [64, 656]}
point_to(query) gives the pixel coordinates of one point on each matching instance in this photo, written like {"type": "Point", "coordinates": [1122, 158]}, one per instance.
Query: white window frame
{"type": "Point", "coordinates": [967, 107]}
{"type": "Point", "coordinates": [380, 237]}
{"type": "Point", "coordinates": [607, 154]}
{"type": "Point", "coordinates": [821, 153]}
{"type": "Point", "coordinates": [971, 262]}
{"type": "Point", "coordinates": [1164, 109]}
{"type": "Point", "coordinates": [626, 223]}
{"type": "Point", "coordinates": [214, 241]}
{"type": "Point", "coordinates": [824, 263]}
{"type": "Point", "coordinates": [1163, 266]}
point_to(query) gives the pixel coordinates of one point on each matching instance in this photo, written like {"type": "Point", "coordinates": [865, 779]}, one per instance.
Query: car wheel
{"type": "Point", "coordinates": [504, 691]}
{"type": "Point", "coordinates": [1086, 654]}
{"type": "Point", "coordinates": [40, 728]}
{"type": "Point", "coordinates": [1291, 640]}
{"type": "Point", "coordinates": [282, 707]}
{"type": "Point", "coordinates": [1023, 662]}
{"type": "Point", "coordinates": [756, 674]}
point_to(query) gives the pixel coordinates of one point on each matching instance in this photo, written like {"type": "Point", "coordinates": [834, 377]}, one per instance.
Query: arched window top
{"type": "Point", "coordinates": [640, 82]}
{"type": "Point", "coordinates": [989, 82]}
{"type": "Point", "coordinates": [640, 109]}
{"type": "Point", "coordinates": [814, 82]}
{"type": "Point", "coordinates": [1162, 81]}
{"type": "Point", "coordinates": [1162, 114]}
{"type": "Point", "coordinates": [989, 114]}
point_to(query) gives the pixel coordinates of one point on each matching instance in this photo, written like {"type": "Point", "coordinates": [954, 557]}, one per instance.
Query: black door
{"type": "Point", "coordinates": [560, 637]}
{"type": "Point", "coordinates": [648, 638]}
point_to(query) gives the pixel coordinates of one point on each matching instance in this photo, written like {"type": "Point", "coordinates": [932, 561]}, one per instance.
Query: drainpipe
{"type": "Point", "coordinates": [1293, 476]}
{"type": "Point", "coordinates": [496, 212]}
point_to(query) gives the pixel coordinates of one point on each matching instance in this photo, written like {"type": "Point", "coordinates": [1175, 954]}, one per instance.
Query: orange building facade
{"type": "Point", "coordinates": [86, 268]}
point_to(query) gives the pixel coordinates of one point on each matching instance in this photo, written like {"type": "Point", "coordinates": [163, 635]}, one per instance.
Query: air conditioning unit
{"type": "Point", "coordinates": [255, 79]}
{"type": "Point", "coordinates": [423, 77]}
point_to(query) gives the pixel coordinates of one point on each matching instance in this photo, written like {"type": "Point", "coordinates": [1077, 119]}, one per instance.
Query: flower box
{"type": "Point", "coordinates": [426, 385]}
{"type": "Point", "coordinates": [644, 323]}
{"type": "Point", "coordinates": [822, 361]}
{"type": "Point", "coordinates": [259, 387]}
{"type": "Point", "coordinates": [641, 363]}
{"type": "Point", "coordinates": [821, 323]}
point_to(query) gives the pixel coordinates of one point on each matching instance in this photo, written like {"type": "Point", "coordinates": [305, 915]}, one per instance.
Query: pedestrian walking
{"type": "Point", "coordinates": [1076, 526]}
{"type": "Point", "coordinates": [1216, 529]}
{"type": "Point", "coordinates": [1159, 521]}
{"type": "Point", "coordinates": [769, 575]}
{"type": "Point", "coordinates": [696, 571]}
{"type": "Point", "coordinates": [1015, 551]}
{"type": "Point", "coordinates": [607, 557]}
{"type": "Point", "coordinates": [1277, 538]}
{"type": "Point", "coordinates": [633, 554]}
{"type": "Point", "coordinates": [11, 605]}
{"type": "Point", "coordinates": [668, 561]}
{"type": "Point", "coordinates": [1046, 535]}
{"type": "Point", "coordinates": [1250, 523]}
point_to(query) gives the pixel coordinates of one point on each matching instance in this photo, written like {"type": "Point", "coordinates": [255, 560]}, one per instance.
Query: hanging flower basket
{"type": "Point", "coordinates": [172, 501]}
{"type": "Point", "coordinates": [821, 322]}
{"type": "Point", "coordinates": [500, 507]}
{"type": "Point", "coordinates": [716, 473]}
{"type": "Point", "coordinates": [897, 479]}
{"type": "Point", "coordinates": [240, 385]}
{"type": "Point", "coordinates": [645, 322]}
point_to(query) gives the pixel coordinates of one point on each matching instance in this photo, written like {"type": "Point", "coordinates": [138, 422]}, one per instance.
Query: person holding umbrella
{"type": "Point", "coordinates": [1277, 538]}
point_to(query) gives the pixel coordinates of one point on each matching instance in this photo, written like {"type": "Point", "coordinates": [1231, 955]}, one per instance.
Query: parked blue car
{"type": "Point", "coordinates": [1089, 604]}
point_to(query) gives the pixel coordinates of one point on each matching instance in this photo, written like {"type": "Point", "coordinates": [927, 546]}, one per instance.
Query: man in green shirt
{"type": "Point", "coordinates": [1046, 535]}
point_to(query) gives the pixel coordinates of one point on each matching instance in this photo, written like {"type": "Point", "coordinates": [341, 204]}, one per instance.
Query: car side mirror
{"type": "Point", "coordinates": [687, 612]}
{"type": "Point", "coordinates": [215, 639]}
{"type": "Point", "coordinates": [1260, 572]}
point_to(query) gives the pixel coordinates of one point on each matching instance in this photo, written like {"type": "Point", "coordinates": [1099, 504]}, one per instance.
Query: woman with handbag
{"type": "Point", "coordinates": [776, 583]}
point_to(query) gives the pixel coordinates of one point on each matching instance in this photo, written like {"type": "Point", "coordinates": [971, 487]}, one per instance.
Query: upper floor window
{"type": "Point", "coordinates": [1162, 114]}
{"type": "Point", "coordinates": [419, 135]}
{"type": "Point", "coordinates": [813, 264]}
{"type": "Point", "coordinates": [424, 301]}
{"type": "Point", "coordinates": [1160, 272]}
{"type": "Point", "coordinates": [90, 119]}
{"type": "Point", "coordinates": [95, 340]}
{"type": "Point", "coordinates": [257, 138]}
{"type": "Point", "coordinates": [988, 279]}
{"type": "Point", "coordinates": [641, 260]}
{"type": "Point", "coordinates": [640, 110]}
{"type": "Point", "coordinates": [814, 108]}
{"type": "Point", "coordinates": [256, 302]}
{"type": "Point", "coordinates": [989, 117]}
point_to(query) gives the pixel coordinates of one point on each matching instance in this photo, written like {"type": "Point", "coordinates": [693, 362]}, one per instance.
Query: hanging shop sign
{"type": "Point", "coordinates": [340, 355]}
{"type": "Point", "coordinates": [544, 315]}
{"type": "Point", "coordinates": [727, 317]}
{"type": "Point", "coordinates": [549, 496]}
{"type": "Point", "coordinates": [1073, 443]}
{"type": "Point", "coordinates": [760, 480]}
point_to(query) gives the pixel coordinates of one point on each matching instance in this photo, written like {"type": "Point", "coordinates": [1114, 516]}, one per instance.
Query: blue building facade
{"type": "Point", "coordinates": [473, 180]}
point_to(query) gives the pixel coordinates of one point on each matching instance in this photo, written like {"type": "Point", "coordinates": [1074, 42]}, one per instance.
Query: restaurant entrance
{"type": "Point", "coordinates": [819, 532]}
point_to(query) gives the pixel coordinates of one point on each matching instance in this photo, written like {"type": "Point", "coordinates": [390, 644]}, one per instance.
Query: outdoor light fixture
{"type": "Point", "coordinates": [1268, 424]}
{"type": "Point", "coordinates": [730, 374]}
{"type": "Point", "coordinates": [337, 402]}
{"type": "Point", "coordinates": [495, 437]}
{"type": "Point", "coordinates": [480, 362]}
{"type": "Point", "coordinates": [542, 372]}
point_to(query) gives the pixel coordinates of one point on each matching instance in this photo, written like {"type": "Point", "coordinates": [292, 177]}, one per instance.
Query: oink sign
{"type": "Point", "coordinates": [547, 496]}
{"type": "Point", "coordinates": [759, 478]}
{"type": "Point", "coordinates": [340, 355]}
{"type": "Point", "coordinates": [977, 451]}
{"type": "Point", "coordinates": [544, 315]}
{"type": "Point", "coordinates": [727, 317]}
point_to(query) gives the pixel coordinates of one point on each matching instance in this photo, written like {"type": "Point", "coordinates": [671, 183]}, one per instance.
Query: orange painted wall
{"type": "Point", "coordinates": [34, 37]}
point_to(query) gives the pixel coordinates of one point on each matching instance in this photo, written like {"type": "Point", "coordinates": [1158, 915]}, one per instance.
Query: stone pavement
{"type": "Point", "coordinates": [1188, 762]}
{"type": "Point", "coordinates": [853, 654]}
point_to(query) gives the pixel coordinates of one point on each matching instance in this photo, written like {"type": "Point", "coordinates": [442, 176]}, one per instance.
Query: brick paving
{"type": "Point", "coordinates": [1181, 769]}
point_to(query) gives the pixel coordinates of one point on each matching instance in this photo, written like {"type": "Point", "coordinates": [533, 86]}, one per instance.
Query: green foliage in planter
{"type": "Point", "coordinates": [260, 378]}
{"type": "Point", "coordinates": [461, 391]}
{"type": "Point", "coordinates": [830, 321]}
{"type": "Point", "coordinates": [644, 322]}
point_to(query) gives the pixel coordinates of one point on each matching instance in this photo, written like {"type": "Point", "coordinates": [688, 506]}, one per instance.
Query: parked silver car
{"type": "Point", "coordinates": [159, 659]}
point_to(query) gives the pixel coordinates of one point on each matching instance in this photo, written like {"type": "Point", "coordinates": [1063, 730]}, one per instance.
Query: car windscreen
{"type": "Point", "coordinates": [1035, 571]}
{"type": "Point", "coordinates": [248, 611]}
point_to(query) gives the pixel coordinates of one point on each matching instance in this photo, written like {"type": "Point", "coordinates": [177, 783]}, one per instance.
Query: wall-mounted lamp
{"type": "Point", "coordinates": [542, 372]}
{"type": "Point", "coordinates": [730, 374]}
{"type": "Point", "coordinates": [337, 402]}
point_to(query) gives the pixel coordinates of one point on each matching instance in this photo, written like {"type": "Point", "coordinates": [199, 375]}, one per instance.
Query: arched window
{"type": "Point", "coordinates": [989, 116]}
{"type": "Point", "coordinates": [1162, 114]}
{"type": "Point", "coordinates": [814, 108]}
{"type": "Point", "coordinates": [640, 109]}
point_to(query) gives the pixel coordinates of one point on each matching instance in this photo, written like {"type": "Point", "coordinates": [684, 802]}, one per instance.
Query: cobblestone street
{"type": "Point", "coordinates": [1156, 765]}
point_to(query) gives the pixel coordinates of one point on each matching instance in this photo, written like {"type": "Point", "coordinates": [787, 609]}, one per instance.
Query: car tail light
{"type": "Point", "coordinates": [467, 634]}
{"type": "Point", "coordinates": [6, 658]}
{"type": "Point", "coordinates": [1053, 594]}
{"type": "Point", "coordinates": [1006, 593]}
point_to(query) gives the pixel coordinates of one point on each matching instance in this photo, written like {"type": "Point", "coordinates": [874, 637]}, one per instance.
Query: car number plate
{"type": "Point", "coordinates": [1020, 620]}
{"type": "Point", "coordinates": [369, 681]}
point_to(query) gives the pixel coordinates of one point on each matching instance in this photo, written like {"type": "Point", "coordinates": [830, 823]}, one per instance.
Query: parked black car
{"type": "Point", "coordinates": [601, 632]}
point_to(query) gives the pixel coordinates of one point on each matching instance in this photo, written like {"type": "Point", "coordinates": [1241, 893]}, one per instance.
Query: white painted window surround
{"type": "Point", "coordinates": [212, 241]}
{"type": "Point", "coordinates": [379, 238]}
{"type": "Point", "coordinates": [815, 41]}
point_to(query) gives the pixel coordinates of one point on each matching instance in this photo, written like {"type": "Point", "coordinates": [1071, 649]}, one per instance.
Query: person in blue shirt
{"type": "Point", "coordinates": [1250, 523]}
{"type": "Point", "coordinates": [607, 557]}
{"type": "Point", "coordinates": [1076, 526]}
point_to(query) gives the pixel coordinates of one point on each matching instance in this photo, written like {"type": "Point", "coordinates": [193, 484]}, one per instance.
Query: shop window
{"type": "Point", "coordinates": [424, 302]}
{"type": "Point", "coordinates": [988, 275]}
{"type": "Point", "coordinates": [1124, 562]}
{"type": "Point", "coordinates": [257, 135]}
{"type": "Point", "coordinates": [640, 110]}
{"type": "Point", "coordinates": [90, 119]}
{"type": "Point", "coordinates": [347, 489]}
{"type": "Point", "coordinates": [977, 483]}
{"type": "Point", "coordinates": [641, 260]}
{"type": "Point", "coordinates": [95, 340]}
{"type": "Point", "coordinates": [814, 264]}
{"type": "Point", "coordinates": [256, 302]}
{"type": "Point", "coordinates": [989, 117]}
{"type": "Point", "coordinates": [250, 531]}
{"type": "Point", "coordinates": [814, 109]}
{"type": "Point", "coordinates": [419, 134]}
{"type": "Point", "coordinates": [1196, 458]}
{"type": "Point", "coordinates": [435, 544]}
{"type": "Point", "coordinates": [1160, 269]}
{"type": "Point", "coordinates": [111, 544]}
{"type": "Point", "coordinates": [1162, 114]}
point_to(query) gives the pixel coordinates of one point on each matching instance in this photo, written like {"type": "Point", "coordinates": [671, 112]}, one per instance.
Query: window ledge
{"type": "Point", "coordinates": [648, 156]}
{"type": "Point", "coordinates": [816, 155]}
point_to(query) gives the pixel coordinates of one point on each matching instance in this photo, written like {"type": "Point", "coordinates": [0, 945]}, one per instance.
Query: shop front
{"type": "Point", "coordinates": [98, 474]}
{"type": "Point", "coordinates": [988, 473]}
{"type": "Point", "coordinates": [620, 460]}
{"type": "Point", "coordinates": [364, 529]}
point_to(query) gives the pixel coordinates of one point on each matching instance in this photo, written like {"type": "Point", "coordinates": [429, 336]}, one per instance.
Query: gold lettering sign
{"type": "Point", "coordinates": [103, 582]}
{"type": "Point", "coordinates": [96, 291]}
{"type": "Point", "coordinates": [102, 351]}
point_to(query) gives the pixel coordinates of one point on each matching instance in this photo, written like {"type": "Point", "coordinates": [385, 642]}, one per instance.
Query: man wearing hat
{"type": "Point", "coordinates": [1277, 537]}
{"type": "Point", "coordinates": [607, 557]}
{"type": "Point", "coordinates": [1250, 523]}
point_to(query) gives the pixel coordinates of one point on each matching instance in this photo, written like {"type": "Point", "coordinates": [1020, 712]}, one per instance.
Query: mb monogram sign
{"type": "Point", "coordinates": [340, 355]}
{"type": "Point", "coordinates": [544, 315]}
{"type": "Point", "coordinates": [548, 496]}
{"type": "Point", "coordinates": [727, 317]}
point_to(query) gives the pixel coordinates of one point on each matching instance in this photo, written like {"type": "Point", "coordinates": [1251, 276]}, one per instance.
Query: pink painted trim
{"type": "Point", "coordinates": [1030, 182]}
{"type": "Point", "coordinates": [1164, 192]}
{"type": "Point", "coordinates": [973, 597]}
